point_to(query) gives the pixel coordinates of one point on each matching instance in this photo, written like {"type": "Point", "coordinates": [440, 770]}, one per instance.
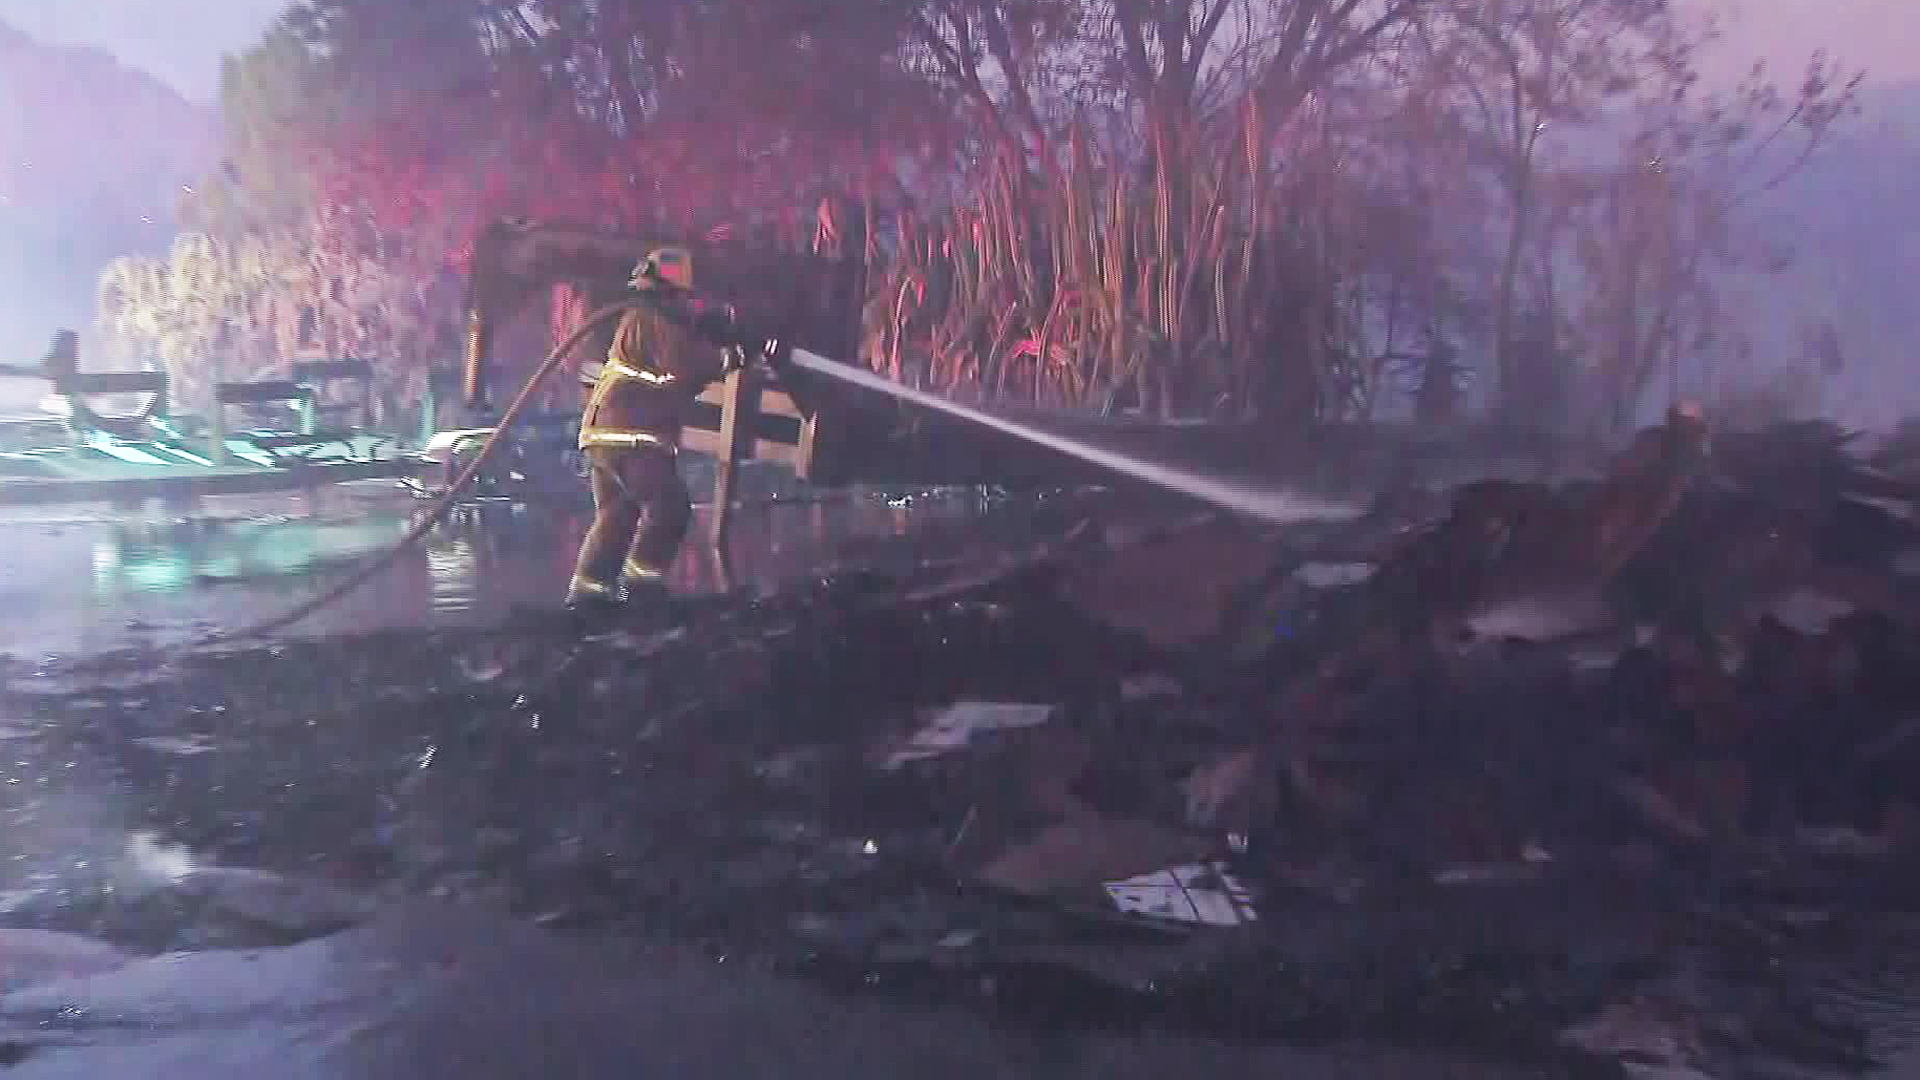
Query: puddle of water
{"type": "Point", "coordinates": [81, 581]}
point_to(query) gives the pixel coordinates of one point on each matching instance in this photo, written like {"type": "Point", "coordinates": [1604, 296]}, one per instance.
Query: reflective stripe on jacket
{"type": "Point", "coordinates": [591, 437]}
{"type": "Point", "coordinates": [641, 396]}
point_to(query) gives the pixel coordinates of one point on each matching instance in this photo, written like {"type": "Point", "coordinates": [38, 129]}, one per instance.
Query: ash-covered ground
{"type": "Point", "coordinates": [1013, 785]}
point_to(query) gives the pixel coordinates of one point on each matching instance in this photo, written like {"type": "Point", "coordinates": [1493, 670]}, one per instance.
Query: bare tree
{"type": "Point", "coordinates": [1663, 230]}
{"type": "Point", "coordinates": [1522, 72]}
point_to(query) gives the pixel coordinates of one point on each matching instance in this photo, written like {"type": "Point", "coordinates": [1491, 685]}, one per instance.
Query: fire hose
{"type": "Point", "coordinates": [720, 322]}
{"type": "Point", "coordinates": [454, 490]}
{"type": "Point", "coordinates": [699, 313]}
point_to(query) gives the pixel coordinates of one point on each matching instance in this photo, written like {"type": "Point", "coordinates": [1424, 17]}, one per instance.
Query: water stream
{"type": "Point", "coordinates": [1269, 504]}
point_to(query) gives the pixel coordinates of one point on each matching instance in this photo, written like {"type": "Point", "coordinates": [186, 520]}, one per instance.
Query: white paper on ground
{"type": "Point", "coordinates": [1204, 894]}
{"type": "Point", "coordinates": [953, 727]}
{"type": "Point", "coordinates": [1809, 611]}
{"type": "Point", "coordinates": [1328, 575]}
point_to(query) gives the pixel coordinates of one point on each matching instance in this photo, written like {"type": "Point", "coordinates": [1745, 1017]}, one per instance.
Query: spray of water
{"type": "Point", "coordinates": [1266, 504]}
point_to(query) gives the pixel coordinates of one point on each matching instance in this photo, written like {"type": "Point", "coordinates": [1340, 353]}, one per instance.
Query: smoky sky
{"type": "Point", "coordinates": [1882, 36]}
{"type": "Point", "coordinates": [182, 41]}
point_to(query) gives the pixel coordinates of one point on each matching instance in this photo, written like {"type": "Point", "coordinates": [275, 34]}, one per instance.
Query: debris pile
{"type": "Point", "coordinates": [1610, 768]}
{"type": "Point", "coordinates": [1698, 650]}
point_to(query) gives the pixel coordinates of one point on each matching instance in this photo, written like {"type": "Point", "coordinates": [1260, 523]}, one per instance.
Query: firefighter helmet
{"type": "Point", "coordinates": [670, 264]}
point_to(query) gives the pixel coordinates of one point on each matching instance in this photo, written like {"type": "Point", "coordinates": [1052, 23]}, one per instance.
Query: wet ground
{"type": "Point", "coordinates": [697, 818]}
{"type": "Point", "coordinates": [84, 579]}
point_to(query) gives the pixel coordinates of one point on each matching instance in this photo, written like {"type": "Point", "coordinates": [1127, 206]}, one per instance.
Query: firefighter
{"type": "Point", "coordinates": [630, 434]}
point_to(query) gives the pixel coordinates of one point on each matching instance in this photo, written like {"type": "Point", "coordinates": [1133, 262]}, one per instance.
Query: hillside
{"type": "Point", "coordinates": [92, 155]}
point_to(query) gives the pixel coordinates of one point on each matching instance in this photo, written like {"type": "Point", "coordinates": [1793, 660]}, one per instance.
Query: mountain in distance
{"type": "Point", "coordinates": [93, 155]}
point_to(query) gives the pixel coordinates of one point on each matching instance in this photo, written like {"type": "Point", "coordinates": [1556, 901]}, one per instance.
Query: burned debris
{"type": "Point", "coordinates": [1604, 769]}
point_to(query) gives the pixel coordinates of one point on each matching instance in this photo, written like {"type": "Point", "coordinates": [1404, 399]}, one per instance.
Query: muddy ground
{"type": "Point", "coordinates": [723, 784]}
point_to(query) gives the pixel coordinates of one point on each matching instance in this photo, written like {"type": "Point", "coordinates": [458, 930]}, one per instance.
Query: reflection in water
{"type": "Point", "coordinates": [77, 582]}
{"type": "Point", "coordinates": [169, 557]}
{"type": "Point", "coordinates": [160, 573]}
{"type": "Point", "coordinates": [452, 566]}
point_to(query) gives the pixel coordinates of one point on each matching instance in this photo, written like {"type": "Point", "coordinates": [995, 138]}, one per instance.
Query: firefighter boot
{"type": "Point", "coordinates": [656, 543]}
{"type": "Point", "coordinates": [643, 586]}
{"type": "Point", "coordinates": [591, 600]}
